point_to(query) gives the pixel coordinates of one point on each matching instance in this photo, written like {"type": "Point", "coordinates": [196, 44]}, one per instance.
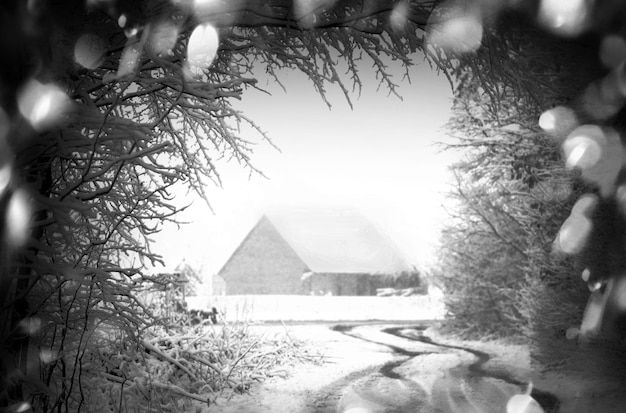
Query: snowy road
{"type": "Point", "coordinates": [377, 368]}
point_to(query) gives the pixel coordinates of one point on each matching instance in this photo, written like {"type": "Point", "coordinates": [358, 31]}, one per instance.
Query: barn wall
{"type": "Point", "coordinates": [341, 284]}
{"type": "Point", "coordinates": [263, 264]}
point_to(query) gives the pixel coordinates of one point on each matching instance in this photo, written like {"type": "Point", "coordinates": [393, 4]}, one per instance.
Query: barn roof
{"type": "Point", "coordinates": [337, 241]}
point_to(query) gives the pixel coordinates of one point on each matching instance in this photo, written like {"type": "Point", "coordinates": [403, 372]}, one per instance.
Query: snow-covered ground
{"type": "Point", "coordinates": [321, 308]}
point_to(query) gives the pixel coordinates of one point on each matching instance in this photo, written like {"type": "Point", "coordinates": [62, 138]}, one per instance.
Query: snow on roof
{"type": "Point", "coordinates": [337, 241]}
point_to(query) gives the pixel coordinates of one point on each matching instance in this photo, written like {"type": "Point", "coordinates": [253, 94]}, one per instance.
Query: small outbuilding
{"type": "Point", "coordinates": [325, 252]}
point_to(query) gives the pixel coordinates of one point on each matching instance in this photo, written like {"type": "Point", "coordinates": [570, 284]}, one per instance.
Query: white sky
{"type": "Point", "coordinates": [378, 158]}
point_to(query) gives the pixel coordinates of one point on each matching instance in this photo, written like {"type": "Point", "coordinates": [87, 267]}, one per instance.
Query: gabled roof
{"type": "Point", "coordinates": [336, 241]}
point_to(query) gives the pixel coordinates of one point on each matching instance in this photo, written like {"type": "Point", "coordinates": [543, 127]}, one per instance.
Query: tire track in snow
{"type": "Point", "coordinates": [477, 380]}
{"type": "Point", "coordinates": [463, 389]}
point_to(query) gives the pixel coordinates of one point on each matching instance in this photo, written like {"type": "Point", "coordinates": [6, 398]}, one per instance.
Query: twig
{"type": "Point", "coordinates": [244, 354]}
{"type": "Point", "coordinates": [165, 356]}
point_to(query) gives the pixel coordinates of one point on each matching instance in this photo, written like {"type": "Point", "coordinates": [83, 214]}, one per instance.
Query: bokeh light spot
{"type": "Point", "coordinates": [564, 17]}
{"type": "Point", "coordinates": [573, 234]}
{"type": "Point", "coordinates": [47, 356]}
{"type": "Point", "coordinates": [89, 51]}
{"type": "Point", "coordinates": [131, 31]}
{"type": "Point", "coordinates": [41, 104]}
{"type": "Point", "coordinates": [22, 407]}
{"type": "Point", "coordinates": [523, 403]}
{"type": "Point", "coordinates": [18, 218]}
{"type": "Point", "coordinates": [612, 51]}
{"type": "Point", "coordinates": [122, 20]}
{"type": "Point", "coordinates": [129, 60]}
{"type": "Point", "coordinates": [163, 38]}
{"type": "Point", "coordinates": [202, 48]}
{"type": "Point", "coordinates": [582, 152]}
{"type": "Point", "coordinates": [596, 286]}
{"type": "Point", "coordinates": [399, 16]}
{"type": "Point", "coordinates": [598, 153]}
{"type": "Point", "coordinates": [592, 317]}
{"type": "Point", "coordinates": [547, 120]}
{"type": "Point", "coordinates": [585, 275]}
{"type": "Point", "coordinates": [558, 121]}
{"type": "Point", "coordinates": [585, 205]}
{"type": "Point", "coordinates": [457, 34]}
{"type": "Point", "coordinates": [571, 333]}
{"type": "Point", "coordinates": [586, 154]}
{"type": "Point", "coordinates": [30, 325]}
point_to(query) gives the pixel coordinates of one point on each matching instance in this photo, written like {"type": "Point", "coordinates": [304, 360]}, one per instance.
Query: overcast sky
{"type": "Point", "coordinates": [378, 157]}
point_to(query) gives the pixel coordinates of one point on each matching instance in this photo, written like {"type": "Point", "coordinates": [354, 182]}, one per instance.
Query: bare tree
{"type": "Point", "coordinates": [107, 107]}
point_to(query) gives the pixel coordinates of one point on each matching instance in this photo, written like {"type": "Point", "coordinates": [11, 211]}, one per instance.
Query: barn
{"type": "Point", "coordinates": [326, 252]}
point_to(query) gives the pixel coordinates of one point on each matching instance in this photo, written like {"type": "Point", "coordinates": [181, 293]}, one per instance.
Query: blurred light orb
{"type": "Point", "coordinates": [558, 121]}
{"type": "Point", "coordinates": [582, 152]}
{"type": "Point", "coordinates": [30, 325]}
{"type": "Point", "coordinates": [523, 403]}
{"type": "Point", "coordinates": [47, 356]}
{"type": "Point", "coordinates": [131, 31]}
{"type": "Point", "coordinates": [41, 104]}
{"type": "Point", "coordinates": [22, 407]}
{"type": "Point", "coordinates": [612, 50]}
{"type": "Point", "coordinates": [596, 286]}
{"type": "Point", "coordinates": [129, 60]}
{"type": "Point", "coordinates": [163, 38]}
{"type": "Point", "coordinates": [585, 132]}
{"type": "Point", "coordinates": [547, 120]}
{"type": "Point", "coordinates": [585, 275]}
{"type": "Point", "coordinates": [17, 219]}
{"type": "Point", "coordinates": [592, 317]}
{"type": "Point", "coordinates": [460, 34]}
{"type": "Point", "coordinates": [399, 16]}
{"type": "Point", "coordinates": [564, 17]}
{"type": "Point", "coordinates": [599, 154]}
{"type": "Point", "coordinates": [571, 333]}
{"type": "Point", "coordinates": [573, 234]}
{"type": "Point", "coordinates": [202, 48]}
{"type": "Point", "coordinates": [89, 51]}
{"type": "Point", "coordinates": [122, 21]}
{"type": "Point", "coordinates": [585, 205]}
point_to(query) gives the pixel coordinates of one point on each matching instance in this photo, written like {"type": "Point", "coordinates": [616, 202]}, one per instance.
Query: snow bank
{"type": "Point", "coordinates": [321, 308]}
